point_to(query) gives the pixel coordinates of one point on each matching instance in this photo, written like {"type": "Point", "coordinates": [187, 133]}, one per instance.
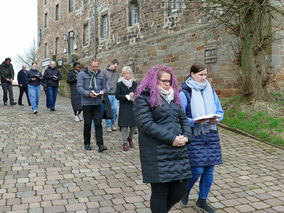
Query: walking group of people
{"type": "Point", "coordinates": [176, 147]}
{"type": "Point", "coordinates": [29, 83]}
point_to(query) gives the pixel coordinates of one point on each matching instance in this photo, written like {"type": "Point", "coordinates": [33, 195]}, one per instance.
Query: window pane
{"type": "Point", "coordinates": [105, 25]}
{"type": "Point", "coordinates": [86, 34]}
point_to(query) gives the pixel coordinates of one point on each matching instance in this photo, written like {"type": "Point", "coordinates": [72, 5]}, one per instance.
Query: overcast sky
{"type": "Point", "coordinates": [18, 23]}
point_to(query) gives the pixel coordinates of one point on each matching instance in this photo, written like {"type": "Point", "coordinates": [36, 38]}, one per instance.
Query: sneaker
{"type": "Point", "coordinates": [108, 129]}
{"type": "Point", "coordinates": [125, 147]}
{"type": "Point", "coordinates": [20, 104]}
{"type": "Point", "coordinates": [201, 203]}
{"type": "Point", "coordinates": [76, 118]}
{"type": "Point", "coordinates": [13, 103]}
{"type": "Point", "coordinates": [131, 145]}
{"type": "Point", "coordinates": [113, 128]}
{"type": "Point", "coordinates": [184, 199]}
{"type": "Point", "coordinates": [102, 148]}
{"type": "Point", "coordinates": [5, 103]}
{"type": "Point", "coordinates": [88, 147]}
{"type": "Point", "coordinates": [35, 111]}
{"type": "Point", "coordinates": [52, 109]}
{"type": "Point", "coordinates": [80, 117]}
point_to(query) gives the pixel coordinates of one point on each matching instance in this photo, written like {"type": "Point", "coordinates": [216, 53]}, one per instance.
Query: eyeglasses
{"type": "Point", "coordinates": [166, 81]}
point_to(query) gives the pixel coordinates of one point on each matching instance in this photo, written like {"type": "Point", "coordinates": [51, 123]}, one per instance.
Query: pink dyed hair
{"type": "Point", "coordinates": [151, 81]}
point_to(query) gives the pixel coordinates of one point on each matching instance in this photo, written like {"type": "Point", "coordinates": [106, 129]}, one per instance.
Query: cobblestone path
{"type": "Point", "coordinates": [44, 168]}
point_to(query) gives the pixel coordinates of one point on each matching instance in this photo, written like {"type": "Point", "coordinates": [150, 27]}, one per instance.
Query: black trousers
{"type": "Point", "coordinates": [22, 91]}
{"type": "Point", "coordinates": [165, 195]}
{"type": "Point", "coordinates": [7, 87]}
{"type": "Point", "coordinates": [93, 112]}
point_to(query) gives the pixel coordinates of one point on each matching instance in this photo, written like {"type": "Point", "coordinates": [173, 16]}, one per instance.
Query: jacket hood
{"type": "Point", "coordinates": [185, 87]}
{"type": "Point", "coordinates": [86, 70]}
{"type": "Point", "coordinates": [49, 67]}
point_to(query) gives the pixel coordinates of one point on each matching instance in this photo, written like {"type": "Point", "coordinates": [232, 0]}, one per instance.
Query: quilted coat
{"type": "Point", "coordinates": [157, 128]}
{"type": "Point", "coordinates": [204, 150]}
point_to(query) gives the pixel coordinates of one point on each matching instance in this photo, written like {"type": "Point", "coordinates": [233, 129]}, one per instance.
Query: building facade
{"type": "Point", "coordinates": [140, 34]}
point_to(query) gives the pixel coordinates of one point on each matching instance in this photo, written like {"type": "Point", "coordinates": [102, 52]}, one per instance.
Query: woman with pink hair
{"type": "Point", "coordinates": [163, 133]}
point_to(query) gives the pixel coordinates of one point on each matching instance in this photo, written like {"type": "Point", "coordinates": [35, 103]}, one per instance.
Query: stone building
{"type": "Point", "coordinates": [139, 33]}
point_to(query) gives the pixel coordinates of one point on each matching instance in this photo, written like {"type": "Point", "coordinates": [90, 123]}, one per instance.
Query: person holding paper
{"type": "Point", "coordinates": [34, 78]}
{"type": "Point", "coordinates": [199, 100]}
{"type": "Point", "coordinates": [52, 76]}
{"type": "Point", "coordinates": [125, 89]}
{"type": "Point", "coordinates": [163, 133]}
{"type": "Point", "coordinates": [91, 79]}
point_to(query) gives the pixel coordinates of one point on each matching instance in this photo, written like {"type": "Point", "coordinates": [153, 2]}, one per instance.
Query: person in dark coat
{"type": "Point", "coordinates": [34, 78]}
{"type": "Point", "coordinates": [199, 99]}
{"type": "Point", "coordinates": [52, 76]}
{"type": "Point", "coordinates": [91, 85]}
{"type": "Point", "coordinates": [75, 95]}
{"type": "Point", "coordinates": [7, 77]}
{"type": "Point", "coordinates": [23, 85]}
{"type": "Point", "coordinates": [124, 93]}
{"type": "Point", "coordinates": [163, 131]}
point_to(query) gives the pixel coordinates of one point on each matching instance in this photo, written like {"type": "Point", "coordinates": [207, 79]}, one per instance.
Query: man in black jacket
{"type": "Point", "coordinates": [7, 77]}
{"type": "Point", "coordinates": [52, 76]}
{"type": "Point", "coordinates": [23, 85]}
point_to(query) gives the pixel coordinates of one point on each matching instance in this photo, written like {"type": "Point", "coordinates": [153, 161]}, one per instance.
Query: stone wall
{"type": "Point", "coordinates": [177, 39]}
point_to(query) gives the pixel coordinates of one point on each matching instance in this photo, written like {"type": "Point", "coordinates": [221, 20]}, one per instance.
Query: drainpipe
{"type": "Point", "coordinates": [95, 31]}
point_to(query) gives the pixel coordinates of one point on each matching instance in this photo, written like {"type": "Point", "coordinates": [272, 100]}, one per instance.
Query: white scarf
{"type": "Point", "coordinates": [168, 95]}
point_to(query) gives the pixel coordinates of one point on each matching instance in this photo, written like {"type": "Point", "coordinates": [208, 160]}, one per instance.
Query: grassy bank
{"type": "Point", "coordinates": [264, 120]}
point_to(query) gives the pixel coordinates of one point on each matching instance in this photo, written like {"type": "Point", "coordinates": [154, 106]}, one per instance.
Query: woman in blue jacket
{"type": "Point", "coordinates": [199, 99]}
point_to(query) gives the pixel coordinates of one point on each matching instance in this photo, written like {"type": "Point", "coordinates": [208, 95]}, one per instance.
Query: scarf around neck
{"type": "Point", "coordinates": [202, 103]}
{"type": "Point", "coordinates": [93, 81]}
{"type": "Point", "coordinates": [126, 82]}
{"type": "Point", "coordinates": [168, 95]}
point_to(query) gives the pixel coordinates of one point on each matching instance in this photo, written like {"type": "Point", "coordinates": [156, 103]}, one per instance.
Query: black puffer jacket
{"type": "Point", "coordinates": [160, 161]}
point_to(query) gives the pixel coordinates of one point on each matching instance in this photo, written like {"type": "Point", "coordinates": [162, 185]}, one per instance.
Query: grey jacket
{"type": "Point", "coordinates": [111, 77]}
{"type": "Point", "coordinates": [83, 87]}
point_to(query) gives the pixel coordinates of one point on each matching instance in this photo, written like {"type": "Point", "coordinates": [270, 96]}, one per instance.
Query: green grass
{"type": "Point", "coordinates": [268, 126]}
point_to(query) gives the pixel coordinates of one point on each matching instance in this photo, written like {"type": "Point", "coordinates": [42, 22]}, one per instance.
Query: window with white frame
{"type": "Point", "coordinates": [45, 50]}
{"type": "Point", "coordinates": [45, 20]}
{"type": "Point", "coordinates": [57, 12]}
{"type": "Point", "coordinates": [86, 34]}
{"type": "Point", "coordinates": [57, 46]}
{"type": "Point", "coordinates": [175, 5]}
{"type": "Point", "coordinates": [70, 5]}
{"type": "Point", "coordinates": [104, 25]}
{"type": "Point", "coordinates": [133, 12]}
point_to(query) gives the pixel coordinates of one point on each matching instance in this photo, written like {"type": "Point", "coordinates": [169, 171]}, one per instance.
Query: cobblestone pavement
{"type": "Point", "coordinates": [44, 168]}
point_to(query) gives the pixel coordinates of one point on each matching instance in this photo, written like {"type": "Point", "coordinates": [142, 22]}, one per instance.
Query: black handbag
{"type": "Point", "coordinates": [107, 109]}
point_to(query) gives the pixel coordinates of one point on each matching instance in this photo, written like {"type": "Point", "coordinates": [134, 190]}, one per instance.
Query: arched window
{"type": "Point", "coordinates": [134, 12]}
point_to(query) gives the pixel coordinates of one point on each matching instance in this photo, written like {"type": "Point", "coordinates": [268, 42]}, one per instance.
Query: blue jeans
{"type": "Point", "coordinates": [102, 111]}
{"type": "Point", "coordinates": [47, 98]}
{"type": "Point", "coordinates": [34, 93]}
{"type": "Point", "coordinates": [206, 180]}
{"type": "Point", "coordinates": [113, 104]}
{"type": "Point", "coordinates": [52, 94]}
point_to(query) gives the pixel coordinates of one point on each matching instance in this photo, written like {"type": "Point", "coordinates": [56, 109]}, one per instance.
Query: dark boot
{"type": "Point", "coordinates": [201, 203]}
{"type": "Point", "coordinates": [184, 199]}
{"type": "Point", "coordinates": [131, 145]}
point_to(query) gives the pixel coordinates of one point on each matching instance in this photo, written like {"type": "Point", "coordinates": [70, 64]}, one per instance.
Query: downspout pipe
{"type": "Point", "coordinates": [95, 27]}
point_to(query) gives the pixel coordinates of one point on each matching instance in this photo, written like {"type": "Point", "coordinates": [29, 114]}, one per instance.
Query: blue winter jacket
{"type": "Point", "coordinates": [204, 150]}
{"type": "Point", "coordinates": [83, 84]}
{"type": "Point", "coordinates": [21, 78]}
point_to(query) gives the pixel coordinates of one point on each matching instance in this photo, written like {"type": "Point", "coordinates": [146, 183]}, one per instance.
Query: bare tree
{"type": "Point", "coordinates": [256, 24]}
{"type": "Point", "coordinates": [29, 56]}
